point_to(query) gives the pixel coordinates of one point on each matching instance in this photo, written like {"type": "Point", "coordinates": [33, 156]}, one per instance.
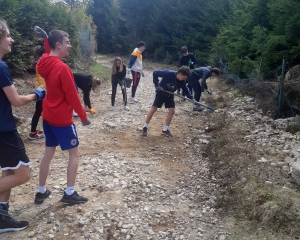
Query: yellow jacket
{"type": "Point", "coordinates": [39, 80]}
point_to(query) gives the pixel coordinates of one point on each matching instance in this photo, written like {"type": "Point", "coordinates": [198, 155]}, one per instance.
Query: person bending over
{"type": "Point", "coordinates": [171, 81]}
{"type": "Point", "coordinates": [87, 83]}
{"type": "Point", "coordinates": [117, 77]}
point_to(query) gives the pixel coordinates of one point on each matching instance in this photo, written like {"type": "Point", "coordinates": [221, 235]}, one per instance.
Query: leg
{"type": "Point", "coordinates": [196, 87]}
{"type": "Point", "coordinates": [45, 165]}
{"type": "Point", "coordinates": [136, 79]}
{"type": "Point", "coordinates": [86, 98]}
{"type": "Point", "coordinates": [114, 85]}
{"type": "Point", "coordinates": [11, 179]}
{"type": "Point", "coordinates": [72, 166]}
{"type": "Point", "coordinates": [36, 116]}
{"type": "Point", "coordinates": [150, 114]}
{"type": "Point", "coordinates": [171, 112]}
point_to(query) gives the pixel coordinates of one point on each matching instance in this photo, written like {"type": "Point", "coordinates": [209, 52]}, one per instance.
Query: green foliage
{"type": "Point", "coordinates": [22, 16]}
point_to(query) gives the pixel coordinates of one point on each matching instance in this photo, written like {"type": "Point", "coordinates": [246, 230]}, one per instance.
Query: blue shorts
{"type": "Point", "coordinates": [66, 137]}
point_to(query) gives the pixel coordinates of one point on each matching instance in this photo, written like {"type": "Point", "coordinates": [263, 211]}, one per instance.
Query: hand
{"type": "Point", "coordinates": [40, 32]}
{"type": "Point", "coordinates": [92, 111]}
{"type": "Point", "coordinates": [143, 75]}
{"type": "Point", "coordinates": [87, 122]}
{"type": "Point", "coordinates": [129, 70]}
{"type": "Point", "coordinates": [159, 88]}
{"type": "Point", "coordinates": [40, 92]}
{"type": "Point", "coordinates": [190, 63]}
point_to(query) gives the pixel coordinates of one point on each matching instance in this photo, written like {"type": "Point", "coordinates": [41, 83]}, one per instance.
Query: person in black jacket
{"type": "Point", "coordinates": [171, 81]}
{"type": "Point", "coordinates": [86, 83]}
{"type": "Point", "coordinates": [117, 77]}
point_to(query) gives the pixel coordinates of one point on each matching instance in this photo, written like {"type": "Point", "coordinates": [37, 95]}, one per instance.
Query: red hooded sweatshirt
{"type": "Point", "coordinates": [62, 96]}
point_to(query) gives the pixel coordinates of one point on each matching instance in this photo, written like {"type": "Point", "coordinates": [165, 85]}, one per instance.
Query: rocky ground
{"type": "Point", "coordinates": [141, 187]}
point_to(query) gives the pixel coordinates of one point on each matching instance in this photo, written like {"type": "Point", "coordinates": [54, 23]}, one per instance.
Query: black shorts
{"type": "Point", "coordinates": [12, 151]}
{"type": "Point", "coordinates": [162, 99]}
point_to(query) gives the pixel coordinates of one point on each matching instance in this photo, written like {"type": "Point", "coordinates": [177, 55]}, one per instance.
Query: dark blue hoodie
{"type": "Point", "coordinates": [169, 82]}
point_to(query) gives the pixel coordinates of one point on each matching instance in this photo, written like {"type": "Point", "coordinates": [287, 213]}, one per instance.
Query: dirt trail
{"type": "Point", "coordinates": [138, 187]}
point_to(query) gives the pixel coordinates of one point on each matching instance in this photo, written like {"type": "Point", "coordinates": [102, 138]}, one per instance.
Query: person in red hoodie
{"type": "Point", "coordinates": [58, 106]}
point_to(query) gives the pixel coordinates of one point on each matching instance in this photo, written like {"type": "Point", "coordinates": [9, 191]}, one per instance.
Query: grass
{"type": "Point", "coordinates": [259, 211]}
{"type": "Point", "coordinates": [103, 73]}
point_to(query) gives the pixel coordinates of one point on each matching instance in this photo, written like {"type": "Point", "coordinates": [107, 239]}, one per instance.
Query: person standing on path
{"type": "Point", "coordinates": [117, 77]}
{"type": "Point", "coordinates": [59, 129]}
{"type": "Point", "coordinates": [34, 134]}
{"type": "Point", "coordinates": [203, 73]}
{"type": "Point", "coordinates": [14, 162]}
{"type": "Point", "coordinates": [135, 66]}
{"type": "Point", "coordinates": [86, 83]}
{"type": "Point", "coordinates": [171, 81]}
{"type": "Point", "coordinates": [187, 59]}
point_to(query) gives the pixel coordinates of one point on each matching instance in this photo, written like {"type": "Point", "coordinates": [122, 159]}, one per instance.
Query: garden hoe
{"type": "Point", "coordinates": [178, 95]}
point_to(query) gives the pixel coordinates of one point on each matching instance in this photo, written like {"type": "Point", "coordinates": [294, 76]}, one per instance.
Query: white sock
{"type": "Point", "coordinates": [42, 189]}
{"type": "Point", "coordinates": [166, 128]}
{"type": "Point", "coordinates": [146, 125]}
{"type": "Point", "coordinates": [70, 190]}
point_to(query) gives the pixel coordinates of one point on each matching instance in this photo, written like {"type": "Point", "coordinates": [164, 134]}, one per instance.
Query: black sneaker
{"type": "Point", "coordinates": [8, 224]}
{"type": "Point", "coordinates": [145, 131]}
{"type": "Point", "coordinates": [167, 133]}
{"type": "Point", "coordinates": [73, 199]}
{"type": "Point", "coordinates": [40, 197]}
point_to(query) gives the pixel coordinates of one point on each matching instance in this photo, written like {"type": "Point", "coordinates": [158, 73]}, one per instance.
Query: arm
{"type": "Point", "coordinates": [68, 86]}
{"type": "Point", "coordinates": [181, 61]}
{"type": "Point", "coordinates": [193, 59]}
{"type": "Point", "coordinates": [131, 61]}
{"type": "Point", "coordinates": [47, 46]}
{"type": "Point", "coordinates": [18, 100]}
{"type": "Point", "coordinates": [187, 91]}
{"type": "Point", "coordinates": [161, 74]}
{"type": "Point", "coordinates": [124, 72]}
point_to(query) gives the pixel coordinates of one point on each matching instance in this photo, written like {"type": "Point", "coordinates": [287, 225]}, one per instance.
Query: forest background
{"type": "Point", "coordinates": [239, 36]}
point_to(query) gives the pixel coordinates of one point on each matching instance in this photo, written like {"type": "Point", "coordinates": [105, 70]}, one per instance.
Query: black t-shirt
{"type": "Point", "coordinates": [184, 60]}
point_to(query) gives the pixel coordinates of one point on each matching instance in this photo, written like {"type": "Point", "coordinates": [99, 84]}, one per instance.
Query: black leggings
{"type": "Point", "coordinates": [36, 115]}
{"type": "Point", "coordinates": [114, 84]}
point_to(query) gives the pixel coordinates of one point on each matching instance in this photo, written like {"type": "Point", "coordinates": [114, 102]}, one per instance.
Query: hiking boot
{"type": "Point", "coordinates": [35, 136]}
{"type": "Point", "coordinates": [7, 223]}
{"type": "Point", "coordinates": [198, 108]}
{"type": "Point", "coordinates": [167, 133]}
{"type": "Point", "coordinates": [145, 131]}
{"type": "Point", "coordinates": [126, 108]}
{"type": "Point", "coordinates": [40, 197]}
{"type": "Point", "coordinates": [73, 199]}
{"type": "Point", "coordinates": [134, 99]}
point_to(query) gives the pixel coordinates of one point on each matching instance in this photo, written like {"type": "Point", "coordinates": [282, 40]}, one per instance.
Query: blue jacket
{"type": "Point", "coordinates": [201, 72]}
{"type": "Point", "coordinates": [169, 82]}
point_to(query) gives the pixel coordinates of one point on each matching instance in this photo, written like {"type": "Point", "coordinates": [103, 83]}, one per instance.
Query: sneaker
{"type": "Point", "coordinates": [167, 133]}
{"type": "Point", "coordinates": [134, 99]}
{"type": "Point", "coordinates": [35, 136]}
{"type": "Point", "coordinates": [198, 108]}
{"type": "Point", "coordinates": [209, 92]}
{"type": "Point", "coordinates": [73, 199]}
{"type": "Point", "coordinates": [75, 114]}
{"type": "Point", "coordinates": [8, 224]}
{"type": "Point", "coordinates": [111, 108]}
{"type": "Point", "coordinates": [126, 108]}
{"type": "Point", "coordinates": [182, 99]}
{"type": "Point", "coordinates": [145, 131]}
{"type": "Point", "coordinates": [40, 197]}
